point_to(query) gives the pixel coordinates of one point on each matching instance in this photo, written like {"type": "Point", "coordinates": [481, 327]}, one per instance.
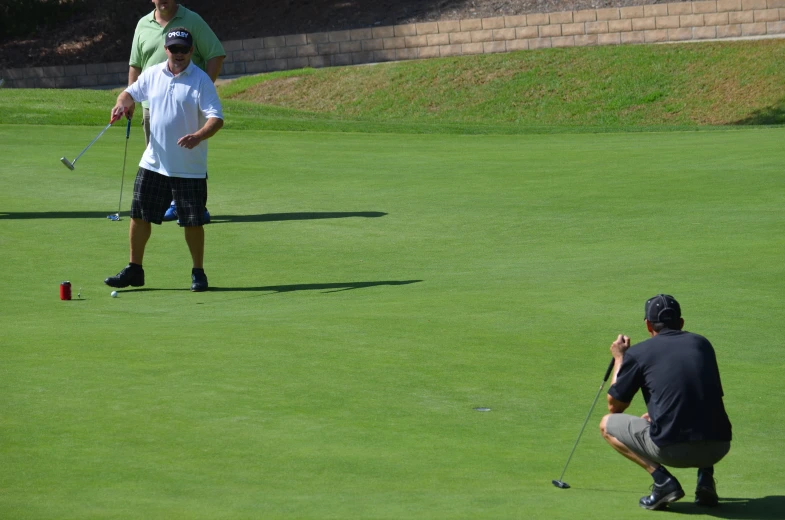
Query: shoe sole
{"type": "Point", "coordinates": [673, 496]}
{"type": "Point", "coordinates": [120, 286]}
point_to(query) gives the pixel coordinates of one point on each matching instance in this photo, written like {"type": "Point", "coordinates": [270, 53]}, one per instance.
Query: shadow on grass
{"type": "Point", "coordinates": [277, 217]}
{"type": "Point", "coordinates": [766, 508]}
{"type": "Point", "coordinates": [217, 219]}
{"type": "Point", "coordinates": [771, 115]}
{"type": "Point", "coordinates": [25, 215]}
{"type": "Point", "coordinates": [324, 287]}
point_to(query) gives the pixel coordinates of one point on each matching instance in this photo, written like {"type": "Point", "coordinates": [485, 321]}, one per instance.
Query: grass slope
{"type": "Point", "coordinates": [370, 290]}
{"type": "Point", "coordinates": [595, 89]}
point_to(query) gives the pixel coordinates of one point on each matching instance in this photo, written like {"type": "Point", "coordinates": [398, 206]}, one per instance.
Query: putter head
{"type": "Point", "coordinates": [67, 163]}
{"type": "Point", "coordinates": [114, 217]}
{"type": "Point", "coordinates": [560, 484]}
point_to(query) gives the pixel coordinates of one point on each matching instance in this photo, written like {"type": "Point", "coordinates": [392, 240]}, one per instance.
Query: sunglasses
{"type": "Point", "coordinates": [179, 49]}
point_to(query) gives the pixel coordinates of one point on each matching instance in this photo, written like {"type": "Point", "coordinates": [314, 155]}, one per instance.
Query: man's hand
{"type": "Point", "coordinates": [209, 129]}
{"type": "Point", "coordinates": [189, 141]}
{"type": "Point", "coordinates": [118, 111]}
{"type": "Point", "coordinates": [646, 416]}
{"type": "Point", "coordinates": [619, 347]}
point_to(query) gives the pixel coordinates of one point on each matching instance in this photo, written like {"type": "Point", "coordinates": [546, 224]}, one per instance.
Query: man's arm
{"type": "Point", "coordinates": [213, 67]}
{"type": "Point", "coordinates": [618, 348]}
{"type": "Point", "coordinates": [209, 129]}
{"type": "Point", "coordinates": [124, 105]}
{"type": "Point", "coordinates": [616, 406]}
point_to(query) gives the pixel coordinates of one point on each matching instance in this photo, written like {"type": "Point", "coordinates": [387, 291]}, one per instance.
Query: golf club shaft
{"type": "Point", "coordinates": [125, 154]}
{"type": "Point", "coordinates": [111, 122]}
{"type": "Point", "coordinates": [91, 143]}
{"type": "Point", "coordinates": [596, 397]}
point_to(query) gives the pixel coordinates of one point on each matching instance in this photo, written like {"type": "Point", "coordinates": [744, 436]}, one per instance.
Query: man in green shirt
{"type": "Point", "coordinates": [148, 49]}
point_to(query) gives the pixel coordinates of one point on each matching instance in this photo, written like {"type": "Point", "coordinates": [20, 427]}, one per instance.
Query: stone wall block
{"type": "Point", "coordinates": [609, 39]}
{"type": "Point", "coordinates": [586, 40]}
{"type": "Point", "coordinates": [704, 33]}
{"type": "Point", "coordinates": [679, 8]}
{"type": "Point", "coordinates": [252, 44]}
{"type": "Point", "coordinates": [549, 31]}
{"type": "Point", "coordinates": [504, 34]}
{"type": "Point", "coordinates": [427, 28]}
{"type": "Point", "coordinates": [537, 19]}
{"type": "Point", "coordinates": [561, 17]}
{"type": "Point", "coordinates": [729, 31]}
{"type": "Point", "coordinates": [406, 30]}
{"type": "Point", "coordinates": [608, 14]}
{"type": "Point", "coordinates": [438, 39]}
{"type": "Point", "coordinates": [573, 29]}
{"type": "Point", "coordinates": [691, 20]}
{"type": "Point", "coordinates": [522, 33]}
{"type": "Point", "coordinates": [587, 15]}
{"type": "Point", "coordinates": [471, 25]}
{"type": "Point", "coordinates": [563, 41]}
{"type": "Point", "coordinates": [297, 39]}
{"type": "Point", "coordinates": [728, 5]}
{"type": "Point", "coordinates": [633, 37]}
{"type": "Point", "coordinates": [617, 26]}
{"type": "Point", "coordinates": [635, 11]}
{"type": "Point", "coordinates": [493, 23]}
{"type": "Point", "coordinates": [704, 7]}
{"type": "Point", "coordinates": [383, 32]}
{"type": "Point", "coordinates": [515, 21]}
{"type": "Point", "coordinates": [517, 45]}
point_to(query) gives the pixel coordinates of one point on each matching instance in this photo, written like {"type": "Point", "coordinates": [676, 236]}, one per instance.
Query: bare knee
{"type": "Point", "coordinates": [603, 425]}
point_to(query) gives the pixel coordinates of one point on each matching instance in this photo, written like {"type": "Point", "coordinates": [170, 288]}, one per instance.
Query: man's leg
{"type": "Point", "coordinates": [194, 237]}
{"type": "Point", "coordinates": [617, 445]}
{"type": "Point", "coordinates": [625, 432]}
{"type": "Point", "coordinates": [138, 234]}
{"type": "Point", "coordinates": [191, 197]}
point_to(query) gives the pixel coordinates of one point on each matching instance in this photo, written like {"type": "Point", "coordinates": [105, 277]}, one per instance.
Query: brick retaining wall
{"type": "Point", "coordinates": [657, 23]}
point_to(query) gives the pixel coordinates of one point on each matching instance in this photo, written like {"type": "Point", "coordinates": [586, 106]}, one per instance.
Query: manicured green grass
{"type": "Point", "coordinates": [371, 290]}
{"type": "Point", "coordinates": [597, 89]}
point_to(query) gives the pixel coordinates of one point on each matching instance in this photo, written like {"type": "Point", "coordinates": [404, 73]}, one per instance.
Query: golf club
{"type": "Point", "coordinates": [71, 164]}
{"type": "Point", "coordinates": [116, 217]}
{"type": "Point", "coordinates": [561, 483]}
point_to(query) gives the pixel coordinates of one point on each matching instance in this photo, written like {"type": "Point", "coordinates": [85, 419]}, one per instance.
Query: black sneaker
{"type": "Point", "coordinates": [706, 495]}
{"type": "Point", "coordinates": [199, 280]}
{"type": "Point", "coordinates": [662, 495]}
{"type": "Point", "coordinates": [130, 275]}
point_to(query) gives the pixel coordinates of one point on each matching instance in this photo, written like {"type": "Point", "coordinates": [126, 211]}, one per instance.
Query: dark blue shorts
{"type": "Point", "coordinates": [154, 192]}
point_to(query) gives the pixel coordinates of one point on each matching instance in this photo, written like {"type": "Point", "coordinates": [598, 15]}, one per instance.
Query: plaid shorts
{"type": "Point", "coordinates": [154, 192]}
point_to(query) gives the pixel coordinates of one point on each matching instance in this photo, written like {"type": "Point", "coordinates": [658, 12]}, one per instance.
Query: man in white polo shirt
{"type": "Point", "coordinates": [174, 165]}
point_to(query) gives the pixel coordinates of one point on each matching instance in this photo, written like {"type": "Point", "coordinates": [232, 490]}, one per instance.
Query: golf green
{"type": "Point", "coordinates": [368, 292]}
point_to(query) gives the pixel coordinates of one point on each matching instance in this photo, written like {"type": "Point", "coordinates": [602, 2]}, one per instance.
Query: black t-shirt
{"type": "Point", "coordinates": [678, 375]}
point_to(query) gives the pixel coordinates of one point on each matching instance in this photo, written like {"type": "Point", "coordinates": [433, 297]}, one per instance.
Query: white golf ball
{"type": "Point", "coordinates": [114, 294]}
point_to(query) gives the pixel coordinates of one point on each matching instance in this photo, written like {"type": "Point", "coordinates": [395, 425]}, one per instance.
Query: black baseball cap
{"type": "Point", "coordinates": [662, 308]}
{"type": "Point", "coordinates": [179, 36]}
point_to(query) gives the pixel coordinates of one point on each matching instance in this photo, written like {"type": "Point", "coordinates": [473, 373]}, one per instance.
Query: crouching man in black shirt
{"type": "Point", "coordinates": [686, 425]}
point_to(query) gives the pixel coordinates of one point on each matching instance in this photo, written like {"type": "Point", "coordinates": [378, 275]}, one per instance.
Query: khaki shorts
{"type": "Point", "coordinates": [633, 432]}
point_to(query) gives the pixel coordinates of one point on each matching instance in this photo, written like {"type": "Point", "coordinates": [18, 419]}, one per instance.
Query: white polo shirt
{"type": "Point", "coordinates": [179, 105]}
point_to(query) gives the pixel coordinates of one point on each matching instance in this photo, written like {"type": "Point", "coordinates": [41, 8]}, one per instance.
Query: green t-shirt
{"type": "Point", "coordinates": [148, 45]}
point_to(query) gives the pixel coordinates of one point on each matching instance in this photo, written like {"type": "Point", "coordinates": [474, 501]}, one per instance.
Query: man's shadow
{"type": "Point", "coordinates": [217, 219]}
{"type": "Point", "coordinates": [766, 508]}
{"type": "Point", "coordinates": [277, 217]}
{"type": "Point", "coordinates": [277, 289]}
